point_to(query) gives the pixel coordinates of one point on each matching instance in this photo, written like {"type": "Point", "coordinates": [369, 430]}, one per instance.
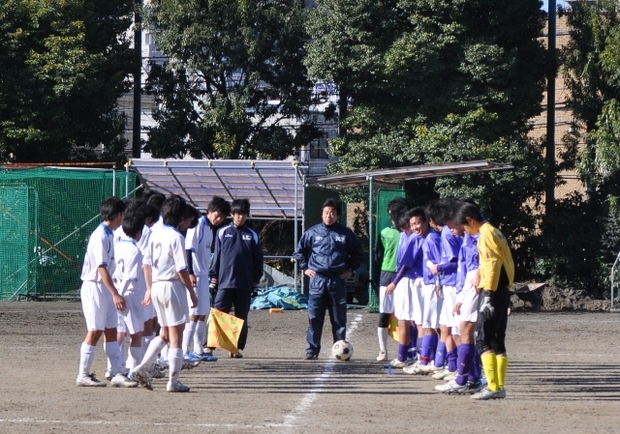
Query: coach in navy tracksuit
{"type": "Point", "coordinates": [237, 266]}
{"type": "Point", "coordinates": [328, 253]}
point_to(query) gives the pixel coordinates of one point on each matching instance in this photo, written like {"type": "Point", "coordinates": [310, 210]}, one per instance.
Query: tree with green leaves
{"type": "Point", "coordinates": [235, 86]}
{"type": "Point", "coordinates": [432, 81]}
{"type": "Point", "coordinates": [64, 66]}
{"type": "Point", "coordinates": [590, 63]}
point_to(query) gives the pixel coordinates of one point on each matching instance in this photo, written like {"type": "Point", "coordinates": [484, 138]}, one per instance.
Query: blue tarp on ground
{"type": "Point", "coordinates": [280, 296]}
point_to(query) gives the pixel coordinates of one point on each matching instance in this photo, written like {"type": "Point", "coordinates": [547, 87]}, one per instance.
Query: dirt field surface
{"type": "Point", "coordinates": [563, 377]}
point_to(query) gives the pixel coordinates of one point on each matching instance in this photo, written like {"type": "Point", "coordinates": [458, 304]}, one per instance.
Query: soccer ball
{"type": "Point", "coordinates": [342, 350]}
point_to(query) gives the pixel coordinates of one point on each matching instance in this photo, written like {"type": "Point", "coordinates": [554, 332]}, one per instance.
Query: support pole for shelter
{"type": "Point", "coordinates": [113, 182]}
{"type": "Point", "coordinates": [295, 231]}
{"type": "Point", "coordinates": [126, 180]}
{"type": "Point", "coordinates": [370, 232]}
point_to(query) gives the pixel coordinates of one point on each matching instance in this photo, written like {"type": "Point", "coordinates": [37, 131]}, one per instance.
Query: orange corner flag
{"type": "Point", "coordinates": [224, 331]}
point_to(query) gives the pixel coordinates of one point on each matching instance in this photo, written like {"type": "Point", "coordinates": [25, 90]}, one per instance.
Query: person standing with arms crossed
{"type": "Point", "coordinates": [328, 253]}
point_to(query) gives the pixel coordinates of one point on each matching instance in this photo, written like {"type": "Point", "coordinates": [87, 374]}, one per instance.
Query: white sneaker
{"type": "Point", "coordinates": [89, 380]}
{"type": "Point", "coordinates": [143, 378]}
{"type": "Point", "coordinates": [398, 364]}
{"type": "Point", "coordinates": [413, 369]}
{"type": "Point", "coordinates": [451, 376]}
{"type": "Point", "coordinates": [429, 368]}
{"type": "Point", "coordinates": [451, 387]}
{"type": "Point", "coordinates": [382, 357]}
{"type": "Point", "coordinates": [441, 374]}
{"type": "Point", "coordinates": [121, 380]}
{"type": "Point", "coordinates": [486, 394]}
{"type": "Point", "coordinates": [108, 375]}
{"type": "Point", "coordinates": [177, 387]}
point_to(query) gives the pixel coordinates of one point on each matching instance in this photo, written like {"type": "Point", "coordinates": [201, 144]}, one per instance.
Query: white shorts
{"type": "Point", "coordinates": [170, 301]}
{"type": "Point", "coordinates": [403, 304]}
{"type": "Point", "coordinates": [418, 300]}
{"type": "Point", "coordinates": [469, 297]}
{"type": "Point", "coordinates": [446, 316]}
{"type": "Point", "coordinates": [149, 312]}
{"type": "Point", "coordinates": [133, 317]}
{"type": "Point", "coordinates": [203, 295]}
{"type": "Point", "coordinates": [432, 307]}
{"type": "Point", "coordinates": [98, 307]}
{"type": "Point", "coordinates": [121, 327]}
{"type": "Point", "coordinates": [386, 301]}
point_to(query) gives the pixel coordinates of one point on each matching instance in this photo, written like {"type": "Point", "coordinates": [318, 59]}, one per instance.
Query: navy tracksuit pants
{"type": "Point", "coordinates": [326, 292]}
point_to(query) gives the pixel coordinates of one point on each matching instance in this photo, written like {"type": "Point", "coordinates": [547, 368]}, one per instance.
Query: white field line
{"type": "Point", "coordinates": [36, 421]}
{"type": "Point", "coordinates": [309, 398]}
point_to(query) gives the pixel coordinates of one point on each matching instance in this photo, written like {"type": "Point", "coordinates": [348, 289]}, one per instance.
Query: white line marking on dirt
{"type": "Point", "coordinates": [34, 421]}
{"type": "Point", "coordinates": [309, 398]}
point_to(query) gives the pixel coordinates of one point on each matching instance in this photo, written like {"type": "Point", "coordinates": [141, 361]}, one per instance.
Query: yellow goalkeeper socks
{"type": "Point", "coordinates": [502, 365]}
{"type": "Point", "coordinates": [489, 364]}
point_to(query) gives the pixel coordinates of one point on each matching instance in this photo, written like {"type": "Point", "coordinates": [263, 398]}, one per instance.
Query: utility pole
{"type": "Point", "coordinates": [136, 145]}
{"type": "Point", "coordinates": [550, 148]}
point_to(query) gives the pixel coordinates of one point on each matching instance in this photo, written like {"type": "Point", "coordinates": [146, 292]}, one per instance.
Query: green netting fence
{"type": "Point", "coordinates": [46, 217]}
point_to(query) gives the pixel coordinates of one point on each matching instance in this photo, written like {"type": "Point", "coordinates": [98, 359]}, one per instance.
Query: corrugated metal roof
{"type": "Point", "coordinates": [398, 175]}
{"type": "Point", "coordinates": [269, 185]}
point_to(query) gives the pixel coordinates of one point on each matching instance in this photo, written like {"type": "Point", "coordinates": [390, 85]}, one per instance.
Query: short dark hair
{"type": "Point", "coordinates": [110, 208]}
{"type": "Point", "coordinates": [418, 211]}
{"type": "Point", "coordinates": [439, 210]}
{"type": "Point", "coordinates": [240, 206]}
{"type": "Point", "coordinates": [132, 203]}
{"type": "Point", "coordinates": [219, 204]}
{"type": "Point", "coordinates": [173, 210]}
{"type": "Point", "coordinates": [193, 213]}
{"type": "Point", "coordinates": [332, 203]}
{"type": "Point", "coordinates": [133, 222]}
{"type": "Point", "coordinates": [397, 204]}
{"type": "Point", "coordinates": [150, 212]}
{"type": "Point", "coordinates": [156, 199]}
{"type": "Point", "coordinates": [403, 219]}
{"type": "Point", "coordinates": [467, 209]}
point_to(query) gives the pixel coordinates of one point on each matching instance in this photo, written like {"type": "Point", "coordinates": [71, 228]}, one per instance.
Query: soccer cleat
{"type": "Point", "coordinates": [89, 380]}
{"type": "Point", "coordinates": [191, 357]}
{"type": "Point", "coordinates": [485, 394]}
{"type": "Point", "coordinates": [156, 374]}
{"type": "Point", "coordinates": [177, 387]}
{"type": "Point", "coordinates": [399, 363]}
{"type": "Point", "coordinates": [108, 375]}
{"type": "Point", "coordinates": [451, 376]}
{"type": "Point", "coordinates": [121, 380]}
{"type": "Point", "coordinates": [414, 369]}
{"type": "Point", "coordinates": [430, 368]}
{"type": "Point", "coordinates": [500, 394]}
{"type": "Point", "coordinates": [474, 386]}
{"type": "Point", "coordinates": [382, 357]}
{"type": "Point", "coordinates": [451, 387]}
{"type": "Point", "coordinates": [162, 363]}
{"type": "Point", "coordinates": [310, 356]}
{"type": "Point", "coordinates": [236, 355]}
{"type": "Point", "coordinates": [189, 364]}
{"type": "Point", "coordinates": [441, 374]}
{"type": "Point", "coordinates": [206, 357]}
{"type": "Point", "coordinates": [142, 377]}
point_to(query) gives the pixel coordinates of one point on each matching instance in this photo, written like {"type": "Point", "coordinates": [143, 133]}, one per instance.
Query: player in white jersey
{"type": "Point", "coordinates": [168, 290]}
{"type": "Point", "coordinates": [101, 300]}
{"type": "Point", "coordinates": [151, 215]}
{"type": "Point", "coordinates": [200, 244]}
{"type": "Point", "coordinates": [130, 280]}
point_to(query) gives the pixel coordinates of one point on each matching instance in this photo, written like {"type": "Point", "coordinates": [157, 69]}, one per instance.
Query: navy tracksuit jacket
{"type": "Point", "coordinates": [238, 266]}
{"type": "Point", "coordinates": [329, 251]}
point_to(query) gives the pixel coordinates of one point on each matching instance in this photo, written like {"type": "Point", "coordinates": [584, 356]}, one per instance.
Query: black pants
{"type": "Point", "coordinates": [240, 298]}
{"type": "Point", "coordinates": [491, 331]}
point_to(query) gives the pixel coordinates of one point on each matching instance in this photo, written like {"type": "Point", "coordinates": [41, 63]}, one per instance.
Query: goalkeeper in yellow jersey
{"type": "Point", "coordinates": [496, 277]}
